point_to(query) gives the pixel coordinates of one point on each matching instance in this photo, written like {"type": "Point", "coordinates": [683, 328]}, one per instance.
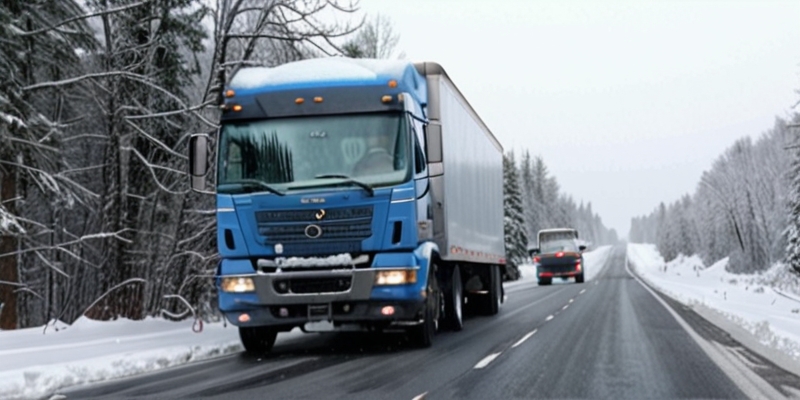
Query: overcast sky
{"type": "Point", "coordinates": [628, 102]}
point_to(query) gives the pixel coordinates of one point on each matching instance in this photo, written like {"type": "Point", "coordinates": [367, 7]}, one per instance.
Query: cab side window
{"type": "Point", "coordinates": [419, 157]}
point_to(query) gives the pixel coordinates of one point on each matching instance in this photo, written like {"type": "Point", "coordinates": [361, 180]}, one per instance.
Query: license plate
{"type": "Point", "coordinates": [319, 326]}
{"type": "Point", "coordinates": [319, 312]}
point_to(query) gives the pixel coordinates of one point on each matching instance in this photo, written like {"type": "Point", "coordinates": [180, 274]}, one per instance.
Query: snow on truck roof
{"type": "Point", "coordinates": [559, 230]}
{"type": "Point", "coordinates": [331, 72]}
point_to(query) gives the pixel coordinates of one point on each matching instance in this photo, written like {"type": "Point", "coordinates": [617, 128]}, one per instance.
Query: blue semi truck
{"type": "Point", "coordinates": [352, 194]}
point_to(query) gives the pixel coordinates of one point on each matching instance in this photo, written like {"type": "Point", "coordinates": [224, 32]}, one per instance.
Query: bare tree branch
{"type": "Point", "coordinates": [86, 16]}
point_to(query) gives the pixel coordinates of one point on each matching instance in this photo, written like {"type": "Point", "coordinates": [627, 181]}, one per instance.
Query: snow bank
{"type": "Point", "coordinates": [766, 305]}
{"type": "Point", "coordinates": [36, 364]}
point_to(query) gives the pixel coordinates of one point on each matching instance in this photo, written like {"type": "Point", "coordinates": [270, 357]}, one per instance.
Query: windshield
{"type": "Point", "coordinates": [554, 246]}
{"type": "Point", "coordinates": [304, 152]}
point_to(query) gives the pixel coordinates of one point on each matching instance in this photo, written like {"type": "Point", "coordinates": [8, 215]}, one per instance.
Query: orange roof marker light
{"type": "Point", "coordinates": [299, 100]}
{"type": "Point", "coordinates": [237, 108]}
{"type": "Point", "coordinates": [230, 93]}
{"type": "Point", "coordinates": [392, 83]}
{"type": "Point", "coordinates": [318, 99]}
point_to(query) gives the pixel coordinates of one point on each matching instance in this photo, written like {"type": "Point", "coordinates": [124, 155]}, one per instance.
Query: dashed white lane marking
{"type": "Point", "coordinates": [486, 360]}
{"type": "Point", "coordinates": [420, 397]}
{"type": "Point", "coordinates": [549, 317]}
{"type": "Point", "coordinates": [565, 307]}
{"type": "Point", "coordinates": [524, 338]}
{"type": "Point", "coordinates": [582, 291]}
{"type": "Point", "coordinates": [571, 300]}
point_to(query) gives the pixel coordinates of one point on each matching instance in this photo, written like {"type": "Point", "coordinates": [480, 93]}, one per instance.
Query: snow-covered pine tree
{"type": "Point", "coordinates": [793, 230]}
{"type": "Point", "coordinates": [516, 238]}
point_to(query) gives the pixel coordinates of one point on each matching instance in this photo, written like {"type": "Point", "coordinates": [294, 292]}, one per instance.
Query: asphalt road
{"type": "Point", "coordinates": [607, 338]}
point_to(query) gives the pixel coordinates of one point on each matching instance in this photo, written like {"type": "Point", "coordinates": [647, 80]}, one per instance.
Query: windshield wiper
{"type": "Point", "coordinates": [348, 179]}
{"type": "Point", "coordinates": [250, 184]}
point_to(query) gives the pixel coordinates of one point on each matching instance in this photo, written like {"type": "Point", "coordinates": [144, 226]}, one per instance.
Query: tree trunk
{"type": "Point", "coordinates": [8, 264]}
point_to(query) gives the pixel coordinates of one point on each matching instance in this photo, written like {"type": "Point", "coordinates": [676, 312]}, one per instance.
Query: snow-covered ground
{"type": "Point", "coordinates": [34, 364]}
{"type": "Point", "coordinates": [767, 305]}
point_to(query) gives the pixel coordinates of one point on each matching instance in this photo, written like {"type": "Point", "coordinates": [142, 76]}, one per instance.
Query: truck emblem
{"type": "Point", "coordinates": [312, 200]}
{"type": "Point", "coordinates": [313, 231]}
{"type": "Point", "coordinates": [320, 214]}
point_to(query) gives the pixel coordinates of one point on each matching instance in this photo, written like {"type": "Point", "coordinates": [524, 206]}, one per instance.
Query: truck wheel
{"type": "Point", "coordinates": [257, 340]}
{"type": "Point", "coordinates": [579, 278]}
{"type": "Point", "coordinates": [495, 296]}
{"type": "Point", "coordinates": [454, 304]}
{"type": "Point", "coordinates": [544, 282]}
{"type": "Point", "coordinates": [422, 334]}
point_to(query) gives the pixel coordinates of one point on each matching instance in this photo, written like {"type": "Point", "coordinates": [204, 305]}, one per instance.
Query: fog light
{"type": "Point", "coordinates": [237, 285]}
{"type": "Point", "coordinates": [346, 308]}
{"type": "Point", "coordinates": [387, 310]}
{"type": "Point", "coordinates": [283, 312]}
{"type": "Point", "coordinates": [244, 318]}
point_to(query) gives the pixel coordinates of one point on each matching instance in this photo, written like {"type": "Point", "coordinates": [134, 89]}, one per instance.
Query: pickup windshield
{"type": "Point", "coordinates": [314, 151]}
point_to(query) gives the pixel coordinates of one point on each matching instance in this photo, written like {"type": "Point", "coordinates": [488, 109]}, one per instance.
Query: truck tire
{"type": "Point", "coordinates": [579, 278]}
{"type": "Point", "coordinates": [454, 302]}
{"type": "Point", "coordinates": [257, 340]}
{"type": "Point", "coordinates": [545, 281]}
{"type": "Point", "coordinates": [422, 334]}
{"type": "Point", "coordinates": [495, 296]}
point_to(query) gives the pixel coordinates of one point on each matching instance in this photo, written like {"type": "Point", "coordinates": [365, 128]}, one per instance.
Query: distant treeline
{"type": "Point", "coordinates": [745, 207]}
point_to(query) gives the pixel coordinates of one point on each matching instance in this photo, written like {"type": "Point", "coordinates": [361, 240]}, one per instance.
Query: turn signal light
{"type": "Point", "coordinates": [237, 108]}
{"type": "Point", "coordinates": [230, 93]}
{"type": "Point", "coordinates": [578, 266]}
{"type": "Point", "coordinates": [299, 100]}
{"type": "Point", "coordinates": [317, 99]}
{"type": "Point", "coordinates": [392, 83]}
{"type": "Point", "coordinates": [386, 99]}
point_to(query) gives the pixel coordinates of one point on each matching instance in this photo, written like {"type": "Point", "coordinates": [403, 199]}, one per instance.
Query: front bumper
{"type": "Point", "coordinates": [346, 296]}
{"type": "Point", "coordinates": [356, 315]}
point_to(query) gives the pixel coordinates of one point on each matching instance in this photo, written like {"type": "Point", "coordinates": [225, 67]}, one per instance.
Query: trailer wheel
{"type": "Point", "coordinates": [454, 303]}
{"type": "Point", "coordinates": [422, 334]}
{"type": "Point", "coordinates": [495, 296]}
{"type": "Point", "coordinates": [257, 340]}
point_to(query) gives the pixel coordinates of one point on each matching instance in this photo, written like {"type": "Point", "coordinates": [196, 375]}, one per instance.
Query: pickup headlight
{"type": "Point", "coordinates": [238, 285]}
{"type": "Point", "coordinates": [395, 276]}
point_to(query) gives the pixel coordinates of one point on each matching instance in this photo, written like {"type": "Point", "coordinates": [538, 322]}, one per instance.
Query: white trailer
{"type": "Point", "coordinates": [466, 169]}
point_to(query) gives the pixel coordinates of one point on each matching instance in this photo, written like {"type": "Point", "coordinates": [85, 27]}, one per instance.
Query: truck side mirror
{"type": "Point", "coordinates": [198, 161]}
{"type": "Point", "coordinates": [581, 248]}
{"type": "Point", "coordinates": [433, 142]}
{"type": "Point", "coordinates": [533, 252]}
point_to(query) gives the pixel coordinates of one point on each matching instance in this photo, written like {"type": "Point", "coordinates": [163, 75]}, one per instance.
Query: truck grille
{"type": "Point", "coordinates": [338, 225]}
{"type": "Point", "coordinates": [313, 285]}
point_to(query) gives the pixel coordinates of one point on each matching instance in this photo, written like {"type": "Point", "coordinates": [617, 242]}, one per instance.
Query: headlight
{"type": "Point", "coordinates": [237, 285]}
{"type": "Point", "coordinates": [395, 277]}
